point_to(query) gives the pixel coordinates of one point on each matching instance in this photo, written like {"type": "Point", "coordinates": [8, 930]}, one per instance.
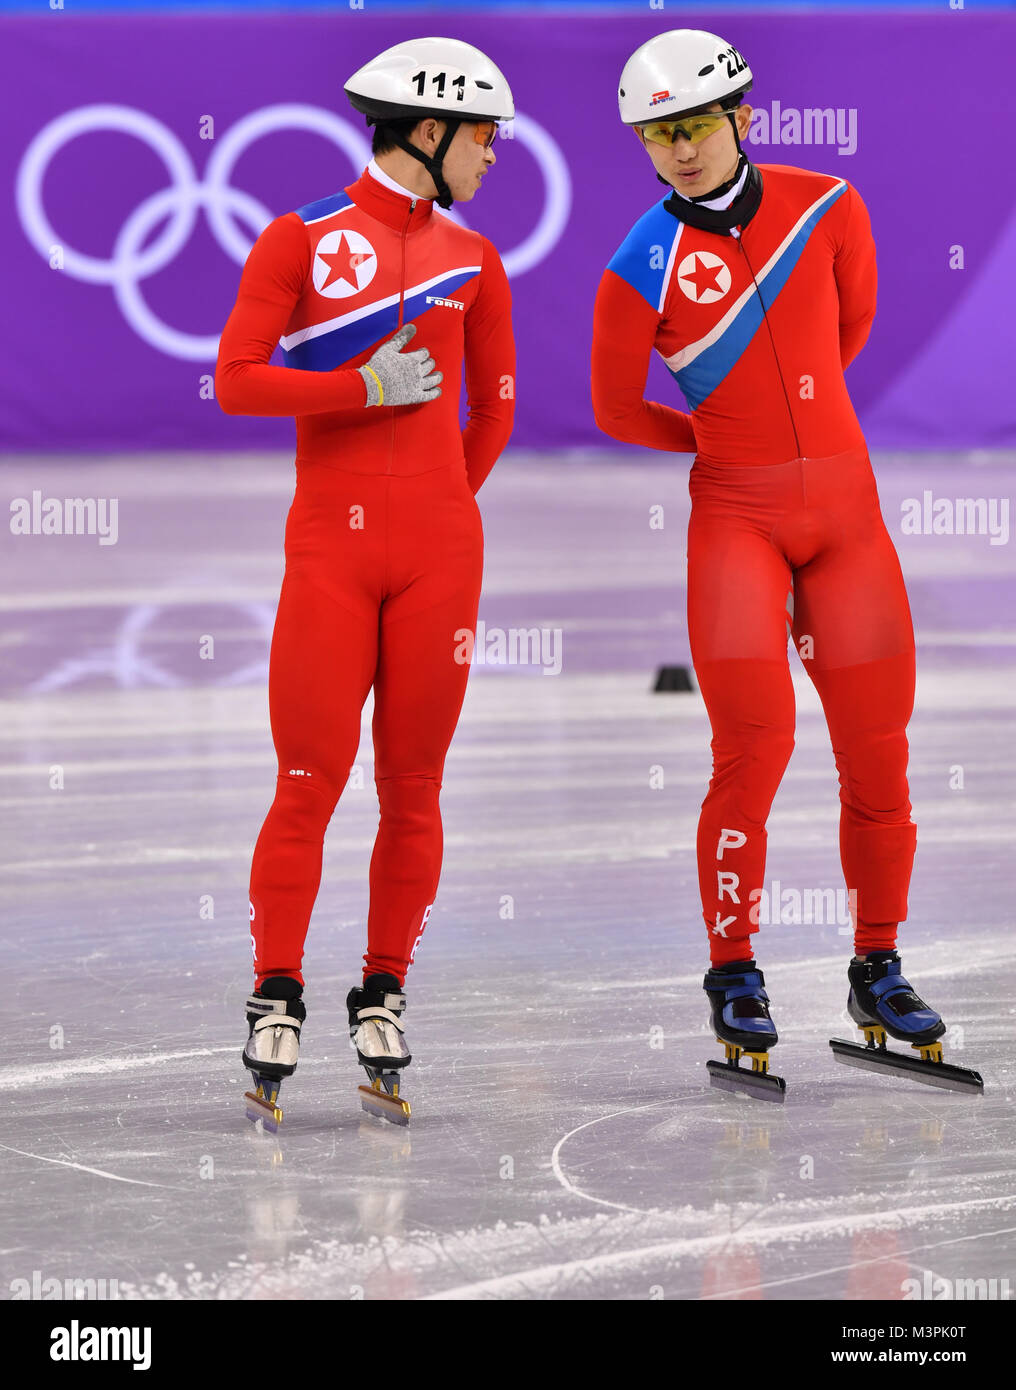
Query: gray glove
{"type": "Point", "coordinates": [395, 377]}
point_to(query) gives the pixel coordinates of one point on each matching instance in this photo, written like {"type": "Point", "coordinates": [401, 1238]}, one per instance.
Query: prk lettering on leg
{"type": "Point", "coordinates": [727, 882]}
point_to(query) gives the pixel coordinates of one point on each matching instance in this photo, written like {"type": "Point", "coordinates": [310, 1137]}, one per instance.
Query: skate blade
{"type": "Point", "coordinates": [941, 1074]}
{"type": "Point", "coordinates": [385, 1106]}
{"type": "Point", "coordinates": [760, 1085]}
{"type": "Point", "coordinates": [260, 1108]}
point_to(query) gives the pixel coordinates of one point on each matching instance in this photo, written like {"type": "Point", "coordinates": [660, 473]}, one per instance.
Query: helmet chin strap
{"type": "Point", "coordinates": [432, 163]}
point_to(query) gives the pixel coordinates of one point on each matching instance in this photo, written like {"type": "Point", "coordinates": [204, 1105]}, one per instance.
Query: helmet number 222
{"type": "Point", "coordinates": [735, 63]}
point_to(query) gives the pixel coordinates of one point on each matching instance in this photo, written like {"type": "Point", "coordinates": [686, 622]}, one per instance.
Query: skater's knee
{"type": "Point", "coordinates": [411, 788]}
{"type": "Point", "coordinates": [775, 748]}
{"type": "Point", "coordinates": [873, 775]}
{"type": "Point", "coordinates": [409, 806]}
{"type": "Point", "coordinates": [749, 774]}
{"type": "Point", "coordinates": [312, 789]}
{"type": "Point", "coordinates": [754, 755]}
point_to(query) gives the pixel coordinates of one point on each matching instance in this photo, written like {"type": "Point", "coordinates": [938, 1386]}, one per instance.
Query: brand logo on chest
{"type": "Point", "coordinates": [704, 277]}
{"type": "Point", "coordinates": [344, 263]}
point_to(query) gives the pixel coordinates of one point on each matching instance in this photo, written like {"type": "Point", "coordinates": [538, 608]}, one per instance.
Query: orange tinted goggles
{"type": "Point", "coordinates": [484, 132]}
{"type": "Point", "coordinates": [693, 128]}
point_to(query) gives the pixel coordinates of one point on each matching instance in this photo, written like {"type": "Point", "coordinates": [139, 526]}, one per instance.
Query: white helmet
{"type": "Point", "coordinates": [678, 72]}
{"type": "Point", "coordinates": [431, 77]}
{"type": "Point", "coordinates": [445, 78]}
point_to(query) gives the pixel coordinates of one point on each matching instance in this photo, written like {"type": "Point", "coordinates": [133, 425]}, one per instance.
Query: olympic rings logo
{"type": "Point", "coordinates": [126, 661]}
{"type": "Point", "coordinates": [130, 264]}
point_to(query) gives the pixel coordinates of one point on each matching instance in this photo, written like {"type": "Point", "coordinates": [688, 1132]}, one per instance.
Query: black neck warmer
{"type": "Point", "coordinates": [721, 220]}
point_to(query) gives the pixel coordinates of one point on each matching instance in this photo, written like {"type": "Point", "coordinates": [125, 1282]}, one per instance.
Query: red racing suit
{"type": "Point", "coordinates": [786, 532]}
{"type": "Point", "coordinates": [384, 544]}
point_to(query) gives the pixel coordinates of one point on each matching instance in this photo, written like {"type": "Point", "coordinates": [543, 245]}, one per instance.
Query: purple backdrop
{"type": "Point", "coordinates": [113, 348]}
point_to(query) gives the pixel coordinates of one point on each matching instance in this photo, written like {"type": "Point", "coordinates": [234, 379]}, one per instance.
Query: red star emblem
{"type": "Point", "coordinates": [704, 277]}
{"type": "Point", "coordinates": [342, 263]}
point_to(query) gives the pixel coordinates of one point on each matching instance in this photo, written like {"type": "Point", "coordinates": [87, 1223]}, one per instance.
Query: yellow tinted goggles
{"type": "Point", "coordinates": [693, 128]}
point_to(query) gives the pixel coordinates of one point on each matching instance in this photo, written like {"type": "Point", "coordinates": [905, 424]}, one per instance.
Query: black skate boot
{"type": "Point", "coordinates": [882, 1001]}
{"type": "Point", "coordinates": [275, 1015]}
{"type": "Point", "coordinates": [376, 1031]}
{"type": "Point", "coordinates": [741, 1022]}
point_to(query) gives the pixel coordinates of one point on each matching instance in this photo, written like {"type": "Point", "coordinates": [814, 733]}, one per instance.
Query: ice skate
{"type": "Point", "coordinates": [882, 1001]}
{"type": "Point", "coordinates": [275, 1015]}
{"type": "Point", "coordinates": [741, 1022]}
{"type": "Point", "coordinates": [376, 1031]}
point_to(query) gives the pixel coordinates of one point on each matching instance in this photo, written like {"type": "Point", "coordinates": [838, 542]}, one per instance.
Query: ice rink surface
{"type": "Point", "coordinates": [565, 1143]}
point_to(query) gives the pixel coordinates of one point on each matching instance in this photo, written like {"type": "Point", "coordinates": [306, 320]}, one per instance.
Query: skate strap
{"type": "Point", "coordinates": [899, 996]}
{"type": "Point", "coordinates": [274, 1020]}
{"type": "Point", "coordinates": [746, 991]}
{"type": "Point", "coordinates": [891, 985]}
{"type": "Point", "coordinates": [732, 985]}
{"type": "Point", "coordinates": [363, 1014]}
{"type": "Point", "coordinates": [881, 970]}
{"type": "Point", "coordinates": [256, 1004]}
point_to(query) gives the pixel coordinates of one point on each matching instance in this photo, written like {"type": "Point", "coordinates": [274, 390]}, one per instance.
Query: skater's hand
{"type": "Point", "coordinates": [395, 377]}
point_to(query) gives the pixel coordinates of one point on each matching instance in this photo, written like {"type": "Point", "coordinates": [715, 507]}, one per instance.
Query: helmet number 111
{"type": "Point", "coordinates": [441, 80]}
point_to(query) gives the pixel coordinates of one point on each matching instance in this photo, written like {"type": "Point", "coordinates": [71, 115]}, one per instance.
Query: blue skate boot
{"type": "Point", "coordinates": [883, 1001]}
{"type": "Point", "coordinates": [741, 1023]}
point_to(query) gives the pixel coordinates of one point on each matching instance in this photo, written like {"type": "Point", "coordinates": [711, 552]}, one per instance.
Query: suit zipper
{"type": "Point", "coordinates": [402, 300]}
{"type": "Point", "coordinates": [772, 341]}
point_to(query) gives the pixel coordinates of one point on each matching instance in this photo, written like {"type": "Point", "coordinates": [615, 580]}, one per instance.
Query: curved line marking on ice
{"type": "Point", "coordinates": [555, 1157]}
